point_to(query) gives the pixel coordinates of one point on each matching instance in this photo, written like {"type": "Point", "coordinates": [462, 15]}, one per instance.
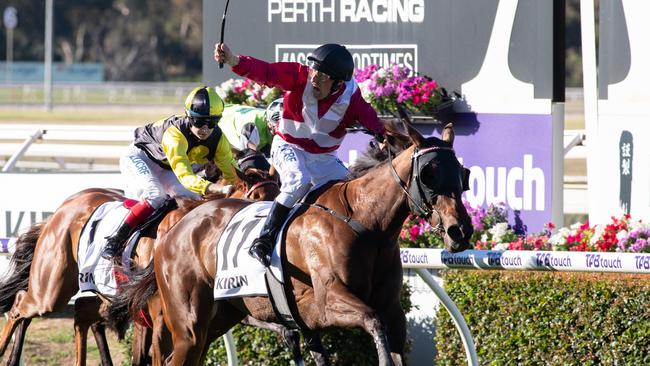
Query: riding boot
{"type": "Point", "coordinates": [263, 246]}
{"type": "Point", "coordinates": [115, 243]}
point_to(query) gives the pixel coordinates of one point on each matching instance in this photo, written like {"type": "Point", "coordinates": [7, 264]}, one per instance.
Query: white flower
{"type": "Point", "coordinates": [559, 237]}
{"type": "Point", "coordinates": [498, 231]}
{"type": "Point", "coordinates": [621, 234]}
{"type": "Point", "coordinates": [598, 233]}
{"type": "Point", "coordinates": [501, 246]}
{"type": "Point", "coordinates": [576, 226]}
{"type": "Point", "coordinates": [365, 91]}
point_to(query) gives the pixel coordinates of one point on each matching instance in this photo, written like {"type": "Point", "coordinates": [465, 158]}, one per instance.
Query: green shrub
{"type": "Point", "coordinates": [533, 318]}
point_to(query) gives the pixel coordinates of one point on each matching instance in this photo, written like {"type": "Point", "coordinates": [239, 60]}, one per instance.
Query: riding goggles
{"type": "Point", "coordinates": [320, 76]}
{"type": "Point", "coordinates": [199, 122]}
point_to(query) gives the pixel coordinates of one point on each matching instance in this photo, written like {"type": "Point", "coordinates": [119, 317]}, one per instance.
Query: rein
{"type": "Point", "coordinates": [423, 207]}
{"type": "Point", "coordinates": [257, 185]}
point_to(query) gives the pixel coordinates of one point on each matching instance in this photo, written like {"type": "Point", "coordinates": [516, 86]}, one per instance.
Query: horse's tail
{"type": "Point", "coordinates": [19, 267]}
{"type": "Point", "coordinates": [132, 298]}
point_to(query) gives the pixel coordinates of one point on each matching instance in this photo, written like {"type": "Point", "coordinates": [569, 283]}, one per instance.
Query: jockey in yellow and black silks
{"type": "Point", "coordinates": [164, 157]}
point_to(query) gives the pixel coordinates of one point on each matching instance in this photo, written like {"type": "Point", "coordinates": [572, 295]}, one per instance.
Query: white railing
{"type": "Point", "coordinates": [527, 260]}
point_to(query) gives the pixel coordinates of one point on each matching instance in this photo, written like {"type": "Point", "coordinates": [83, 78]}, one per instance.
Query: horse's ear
{"type": "Point", "coordinates": [255, 175]}
{"type": "Point", "coordinates": [448, 134]}
{"type": "Point", "coordinates": [240, 175]}
{"type": "Point", "coordinates": [418, 139]}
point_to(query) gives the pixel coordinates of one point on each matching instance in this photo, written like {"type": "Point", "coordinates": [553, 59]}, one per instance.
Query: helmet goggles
{"type": "Point", "coordinates": [210, 121]}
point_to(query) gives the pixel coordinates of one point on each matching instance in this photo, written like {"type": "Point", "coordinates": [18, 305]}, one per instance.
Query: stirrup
{"type": "Point", "coordinates": [261, 250]}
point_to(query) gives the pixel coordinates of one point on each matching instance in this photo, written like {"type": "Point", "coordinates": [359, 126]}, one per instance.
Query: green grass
{"type": "Point", "coordinates": [62, 337]}
{"type": "Point", "coordinates": [86, 115]}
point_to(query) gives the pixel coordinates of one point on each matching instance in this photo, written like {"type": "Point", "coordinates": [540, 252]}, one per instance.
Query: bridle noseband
{"type": "Point", "coordinates": [417, 200]}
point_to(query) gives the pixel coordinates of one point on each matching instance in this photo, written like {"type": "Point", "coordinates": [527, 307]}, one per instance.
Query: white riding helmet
{"type": "Point", "coordinates": [274, 112]}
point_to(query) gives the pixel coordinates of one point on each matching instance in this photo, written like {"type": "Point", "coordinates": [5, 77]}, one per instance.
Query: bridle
{"type": "Point", "coordinates": [258, 185]}
{"type": "Point", "coordinates": [419, 200]}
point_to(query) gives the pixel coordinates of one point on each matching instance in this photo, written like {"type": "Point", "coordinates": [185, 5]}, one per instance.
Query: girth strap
{"type": "Point", "coordinates": [359, 229]}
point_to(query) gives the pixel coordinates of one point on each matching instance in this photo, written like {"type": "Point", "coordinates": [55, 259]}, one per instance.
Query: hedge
{"type": "Point", "coordinates": [542, 318]}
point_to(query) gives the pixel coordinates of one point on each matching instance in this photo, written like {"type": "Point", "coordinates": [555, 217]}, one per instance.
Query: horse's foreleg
{"type": "Point", "coordinates": [395, 321]}
{"type": "Point", "coordinates": [19, 339]}
{"type": "Point", "coordinates": [343, 309]}
{"type": "Point", "coordinates": [99, 332]}
{"type": "Point", "coordinates": [80, 341]}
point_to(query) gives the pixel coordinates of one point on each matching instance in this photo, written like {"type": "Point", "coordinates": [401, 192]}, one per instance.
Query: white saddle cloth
{"type": "Point", "coordinates": [96, 273]}
{"type": "Point", "coordinates": [239, 274]}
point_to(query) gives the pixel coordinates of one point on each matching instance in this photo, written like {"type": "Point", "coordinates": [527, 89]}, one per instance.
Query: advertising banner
{"type": "Point", "coordinates": [30, 198]}
{"type": "Point", "coordinates": [535, 260]}
{"type": "Point", "coordinates": [498, 55]}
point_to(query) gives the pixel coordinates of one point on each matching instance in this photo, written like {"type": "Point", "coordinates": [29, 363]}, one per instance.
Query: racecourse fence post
{"type": "Point", "coordinates": [231, 349]}
{"type": "Point", "coordinates": [456, 316]}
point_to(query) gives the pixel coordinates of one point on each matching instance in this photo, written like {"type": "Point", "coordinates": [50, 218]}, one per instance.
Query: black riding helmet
{"type": "Point", "coordinates": [334, 60]}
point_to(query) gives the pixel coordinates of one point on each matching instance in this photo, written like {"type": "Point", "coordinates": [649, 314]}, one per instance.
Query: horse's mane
{"type": "Point", "coordinates": [190, 204]}
{"type": "Point", "coordinates": [374, 156]}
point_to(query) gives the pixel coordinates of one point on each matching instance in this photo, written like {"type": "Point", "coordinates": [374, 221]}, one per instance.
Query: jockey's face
{"type": "Point", "coordinates": [202, 127]}
{"type": "Point", "coordinates": [201, 133]}
{"type": "Point", "coordinates": [321, 83]}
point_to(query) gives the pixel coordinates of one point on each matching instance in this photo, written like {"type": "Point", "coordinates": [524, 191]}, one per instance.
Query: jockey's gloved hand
{"type": "Point", "coordinates": [228, 189]}
{"type": "Point", "coordinates": [215, 188]}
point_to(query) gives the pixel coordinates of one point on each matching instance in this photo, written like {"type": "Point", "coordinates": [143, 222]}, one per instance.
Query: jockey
{"type": "Point", "coordinates": [245, 128]}
{"type": "Point", "coordinates": [163, 159]}
{"type": "Point", "coordinates": [320, 101]}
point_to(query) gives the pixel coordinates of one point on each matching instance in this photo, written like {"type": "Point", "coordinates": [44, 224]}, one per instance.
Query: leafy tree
{"type": "Point", "coordinates": [136, 40]}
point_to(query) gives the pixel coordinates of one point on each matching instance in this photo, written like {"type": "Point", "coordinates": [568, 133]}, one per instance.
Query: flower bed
{"type": "Point", "coordinates": [248, 92]}
{"type": "Point", "coordinates": [386, 88]}
{"type": "Point", "coordinates": [492, 231]}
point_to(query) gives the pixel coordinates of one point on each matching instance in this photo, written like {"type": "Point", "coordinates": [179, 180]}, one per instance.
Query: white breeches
{"type": "Point", "coordinates": [147, 180]}
{"type": "Point", "coordinates": [301, 171]}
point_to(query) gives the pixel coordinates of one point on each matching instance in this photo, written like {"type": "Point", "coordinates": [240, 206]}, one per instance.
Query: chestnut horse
{"type": "Point", "coordinates": [338, 276]}
{"type": "Point", "coordinates": [45, 271]}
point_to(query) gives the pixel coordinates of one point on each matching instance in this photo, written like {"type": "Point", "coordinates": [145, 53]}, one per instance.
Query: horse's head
{"type": "Point", "coordinates": [436, 184]}
{"type": "Point", "coordinates": [257, 184]}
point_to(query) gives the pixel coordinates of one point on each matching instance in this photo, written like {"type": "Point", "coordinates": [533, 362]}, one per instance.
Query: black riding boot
{"type": "Point", "coordinates": [115, 243]}
{"type": "Point", "coordinates": [262, 246]}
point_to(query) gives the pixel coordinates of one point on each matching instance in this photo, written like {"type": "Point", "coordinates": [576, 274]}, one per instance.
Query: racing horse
{"type": "Point", "coordinates": [338, 275]}
{"type": "Point", "coordinates": [45, 271]}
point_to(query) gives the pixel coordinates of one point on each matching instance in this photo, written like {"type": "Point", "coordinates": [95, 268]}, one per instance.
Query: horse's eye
{"type": "Point", "coordinates": [429, 176]}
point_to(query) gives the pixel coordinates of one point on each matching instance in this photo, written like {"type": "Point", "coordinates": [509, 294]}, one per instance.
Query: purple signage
{"type": "Point", "coordinates": [510, 160]}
